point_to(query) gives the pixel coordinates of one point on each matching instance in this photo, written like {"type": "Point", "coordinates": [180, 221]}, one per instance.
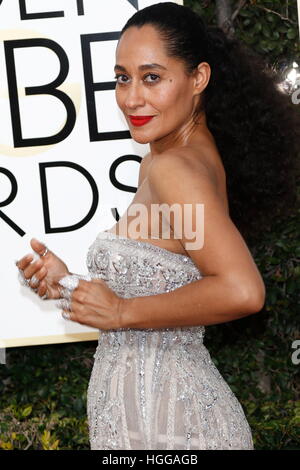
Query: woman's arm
{"type": "Point", "coordinates": [232, 286]}
{"type": "Point", "coordinates": [209, 301]}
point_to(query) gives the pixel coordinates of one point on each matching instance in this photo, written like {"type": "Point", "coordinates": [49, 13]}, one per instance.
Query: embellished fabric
{"type": "Point", "coordinates": [156, 388]}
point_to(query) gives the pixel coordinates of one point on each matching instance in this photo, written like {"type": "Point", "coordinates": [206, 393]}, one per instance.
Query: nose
{"type": "Point", "coordinates": [134, 95]}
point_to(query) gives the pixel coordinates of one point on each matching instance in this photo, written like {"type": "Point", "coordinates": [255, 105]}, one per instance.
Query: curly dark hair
{"type": "Point", "coordinates": [255, 125]}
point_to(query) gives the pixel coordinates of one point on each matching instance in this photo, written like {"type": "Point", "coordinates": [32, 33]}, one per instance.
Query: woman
{"type": "Point", "coordinates": [186, 90]}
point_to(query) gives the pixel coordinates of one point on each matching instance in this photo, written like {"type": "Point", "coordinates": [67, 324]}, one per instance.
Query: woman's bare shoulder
{"type": "Point", "coordinates": [203, 159]}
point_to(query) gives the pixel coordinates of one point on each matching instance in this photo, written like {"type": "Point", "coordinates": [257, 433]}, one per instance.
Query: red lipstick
{"type": "Point", "coordinates": [140, 120]}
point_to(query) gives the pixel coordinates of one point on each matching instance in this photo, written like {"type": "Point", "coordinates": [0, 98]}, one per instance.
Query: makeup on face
{"type": "Point", "coordinates": [140, 120]}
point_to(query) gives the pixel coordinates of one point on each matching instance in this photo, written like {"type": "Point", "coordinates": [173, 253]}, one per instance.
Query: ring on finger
{"type": "Point", "coordinates": [45, 252]}
{"type": "Point", "coordinates": [63, 303]}
{"type": "Point", "coordinates": [66, 293]}
{"type": "Point", "coordinates": [23, 281]}
{"type": "Point", "coordinates": [35, 281]}
{"type": "Point", "coordinates": [66, 315]}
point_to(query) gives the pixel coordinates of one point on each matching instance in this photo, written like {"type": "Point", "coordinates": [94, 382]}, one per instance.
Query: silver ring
{"type": "Point", "coordinates": [45, 252]}
{"type": "Point", "coordinates": [22, 279]}
{"type": "Point", "coordinates": [70, 281]}
{"type": "Point", "coordinates": [35, 281]}
{"type": "Point", "coordinates": [65, 304]}
{"type": "Point", "coordinates": [66, 315]}
{"type": "Point", "coordinates": [66, 293]}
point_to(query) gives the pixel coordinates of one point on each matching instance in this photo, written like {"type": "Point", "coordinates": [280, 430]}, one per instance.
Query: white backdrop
{"type": "Point", "coordinates": [66, 156]}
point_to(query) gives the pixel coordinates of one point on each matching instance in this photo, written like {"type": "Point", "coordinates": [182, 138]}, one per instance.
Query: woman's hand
{"type": "Point", "coordinates": [94, 304]}
{"type": "Point", "coordinates": [48, 270]}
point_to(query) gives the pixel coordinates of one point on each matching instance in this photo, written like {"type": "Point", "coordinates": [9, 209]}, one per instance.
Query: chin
{"type": "Point", "coordinates": [140, 139]}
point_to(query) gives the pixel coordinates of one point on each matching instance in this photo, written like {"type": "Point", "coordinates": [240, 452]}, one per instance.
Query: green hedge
{"type": "Point", "coordinates": [261, 24]}
{"type": "Point", "coordinates": [43, 396]}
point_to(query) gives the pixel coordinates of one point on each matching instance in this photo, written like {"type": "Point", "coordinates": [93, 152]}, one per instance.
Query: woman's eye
{"type": "Point", "coordinates": [153, 76]}
{"type": "Point", "coordinates": [117, 77]}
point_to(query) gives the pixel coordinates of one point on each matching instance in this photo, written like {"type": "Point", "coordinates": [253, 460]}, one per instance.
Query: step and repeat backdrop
{"type": "Point", "coordinates": [68, 165]}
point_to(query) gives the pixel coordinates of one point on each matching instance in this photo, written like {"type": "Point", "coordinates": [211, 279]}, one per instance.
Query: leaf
{"type": "Point", "coordinates": [54, 446]}
{"type": "Point", "coordinates": [257, 28]}
{"type": "Point", "coordinates": [246, 13]}
{"type": "Point", "coordinates": [6, 445]}
{"type": "Point", "coordinates": [266, 31]}
{"type": "Point", "coordinates": [291, 34]}
{"type": "Point", "coordinates": [27, 411]}
{"type": "Point", "coordinates": [45, 439]}
{"type": "Point", "coordinates": [271, 18]}
{"type": "Point", "coordinates": [282, 29]}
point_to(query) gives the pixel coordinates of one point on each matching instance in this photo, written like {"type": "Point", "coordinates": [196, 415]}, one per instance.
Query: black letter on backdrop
{"type": "Point", "coordinates": [116, 183]}
{"type": "Point", "coordinates": [84, 172]}
{"type": "Point", "coordinates": [32, 16]}
{"type": "Point", "coordinates": [48, 89]}
{"type": "Point", "coordinates": [91, 87]}
{"type": "Point", "coordinates": [113, 168]}
{"type": "Point", "coordinates": [11, 197]}
{"type": "Point", "coordinates": [80, 7]}
{"type": "Point", "coordinates": [134, 3]}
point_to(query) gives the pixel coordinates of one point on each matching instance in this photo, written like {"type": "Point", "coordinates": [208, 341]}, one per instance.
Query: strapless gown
{"type": "Point", "coordinates": [156, 388]}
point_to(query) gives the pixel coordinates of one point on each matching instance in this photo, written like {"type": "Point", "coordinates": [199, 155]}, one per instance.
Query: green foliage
{"type": "Point", "coordinates": [43, 397]}
{"type": "Point", "coordinates": [270, 27]}
{"type": "Point", "coordinates": [254, 354]}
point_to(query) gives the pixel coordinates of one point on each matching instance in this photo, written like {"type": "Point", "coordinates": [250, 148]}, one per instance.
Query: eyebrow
{"type": "Point", "coordinates": [141, 67]}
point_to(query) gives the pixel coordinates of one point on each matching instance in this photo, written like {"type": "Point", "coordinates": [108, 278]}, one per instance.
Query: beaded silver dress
{"type": "Point", "coordinates": [156, 388]}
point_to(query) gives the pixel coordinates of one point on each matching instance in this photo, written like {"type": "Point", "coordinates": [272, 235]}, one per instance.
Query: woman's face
{"type": "Point", "coordinates": [161, 90]}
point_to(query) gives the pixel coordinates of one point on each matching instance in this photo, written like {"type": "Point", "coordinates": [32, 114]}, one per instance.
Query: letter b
{"type": "Point", "coordinates": [48, 89]}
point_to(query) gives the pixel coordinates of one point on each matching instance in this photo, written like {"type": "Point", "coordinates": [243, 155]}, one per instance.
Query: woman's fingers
{"type": "Point", "coordinates": [38, 246]}
{"type": "Point", "coordinates": [35, 271]}
{"type": "Point", "coordinates": [38, 276]}
{"type": "Point", "coordinates": [33, 268]}
{"type": "Point", "coordinates": [42, 289]}
{"type": "Point", "coordinates": [24, 262]}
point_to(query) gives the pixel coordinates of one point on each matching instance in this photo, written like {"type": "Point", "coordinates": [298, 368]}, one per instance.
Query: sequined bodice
{"type": "Point", "coordinates": [135, 268]}
{"type": "Point", "coordinates": [156, 388]}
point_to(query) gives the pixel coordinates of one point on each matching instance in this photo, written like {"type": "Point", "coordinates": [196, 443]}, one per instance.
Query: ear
{"type": "Point", "coordinates": [201, 77]}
